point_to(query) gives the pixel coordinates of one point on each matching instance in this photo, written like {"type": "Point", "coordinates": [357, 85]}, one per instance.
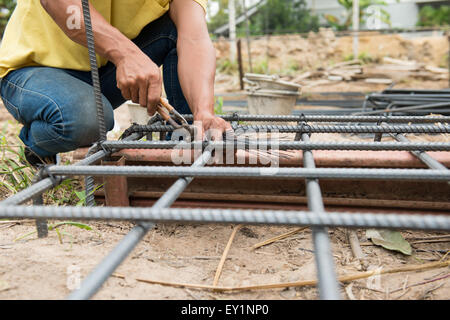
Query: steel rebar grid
{"type": "Point", "coordinates": [101, 273]}
{"type": "Point", "coordinates": [315, 128]}
{"type": "Point", "coordinates": [324, 118]}
{"type": "Point", "coordinates": [328, 284]}
{"type": "Point", "coordinates": [253, 172]}
{"type": "Point", "coordinates": [280, 145]}
{"type": "Point", "coordinates": [227, 216]}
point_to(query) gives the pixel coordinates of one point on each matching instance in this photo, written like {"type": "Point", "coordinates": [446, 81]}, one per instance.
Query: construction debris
{"type": "Point", "coordinates": [392, 70]}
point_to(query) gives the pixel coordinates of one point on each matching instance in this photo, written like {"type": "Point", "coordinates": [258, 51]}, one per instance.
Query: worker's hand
{"type": "Point", "coordinates": [139, 79]}
{"type": "Point", "coordinates": [210, 126]}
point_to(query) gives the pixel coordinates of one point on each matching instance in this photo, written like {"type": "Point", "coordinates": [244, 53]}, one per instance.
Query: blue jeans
{"type": "Point", "coordinates": [57, 106]}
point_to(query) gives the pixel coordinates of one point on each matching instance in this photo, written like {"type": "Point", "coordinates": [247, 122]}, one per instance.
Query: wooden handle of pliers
{"type": "Point", "coordinates": [166, 104]}
{"type": "Point", "coordinates": [163, 113]}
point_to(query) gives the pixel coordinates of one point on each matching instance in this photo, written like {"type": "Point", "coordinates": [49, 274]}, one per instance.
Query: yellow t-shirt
{"type": "Point", "coordinates": [32, 38]}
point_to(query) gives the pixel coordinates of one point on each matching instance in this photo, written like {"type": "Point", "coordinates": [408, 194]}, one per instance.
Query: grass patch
{"type": "Point", "coordinates": [60, 232]}
{"type": "Point", "coordinates": [364, 57]}
{"type": "Point", "coordinates": [227, 66]}
{"type": "Point", "coordinates": [16, 174]}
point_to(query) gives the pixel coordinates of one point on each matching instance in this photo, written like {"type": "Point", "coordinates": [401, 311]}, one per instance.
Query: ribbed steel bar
{"type": "Point", "coordinates": [41, 224]}
{"type": "Point", "coordinates": [395, 96]}
{"type": "Point", "coordinates": [324, 118]}
{"type": "Point", "coordinates": [316, 128]}
{"type": "Point", "coordinates": [47, 183]}
{"type": "Point", "coordinates": [389, 109]}
{"type": "Point", "coordinates": [89, 184]}
{"type": "Point", "coordinates": [347, 129]}
{"type": "Point", "coordinates": [94, 69]}
{"type": "Point", "coordinates": [227, 216]}
{"type": "Point", "coordinates": [281, 145]}
{"type": "Point", "coordinates": [101, 273]}
{"type": "Point", "coordinates": [253, 172]}
{"type": "Point", "coordinates": [420, 154]}
{"type": "Point", "coordinates": [328, 285]}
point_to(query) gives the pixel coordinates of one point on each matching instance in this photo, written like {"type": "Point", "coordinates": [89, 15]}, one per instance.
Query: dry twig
{"type": "Point", "coordinates": [304, 283]}
{"type": "Point", "coordinates": [225, 254]}
{"type": "Point", "coordinates": [277, 238]}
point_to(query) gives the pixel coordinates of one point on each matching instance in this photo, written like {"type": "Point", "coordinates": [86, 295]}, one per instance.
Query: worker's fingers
{"type": "Point", "coordinates": [214, 134]}
{"type": "Point", "coordinates": [222, 127]}
{"type": "Point", "coordinates": [213, 128]}
{"type": "Point", "coordinates": [153, 97]}
{"type": "Point", "coordinates": [143, 87]}
{"type": "Point", "coordinates": [134, 94]}
{"type": "Point", "coordinates": [126, 94]}
{"type": "Point", "coordinates": [198, 131]}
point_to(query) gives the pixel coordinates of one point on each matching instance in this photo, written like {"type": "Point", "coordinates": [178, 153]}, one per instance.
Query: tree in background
{"type": "Point", "coordinates": [364, 13]}
{"type": "Point", "coordinates": [273, 17]}
{"type": "Point", "coordinates": [221, 17]}
{"type": "Point", "coordinates": [6, 9]}
{"type": "Point", "coordinates": [283, 16]}
{"type": "Point", "coordinates": [434, 17]}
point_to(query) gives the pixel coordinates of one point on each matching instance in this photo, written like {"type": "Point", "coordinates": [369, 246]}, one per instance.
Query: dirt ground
{"type": "Point", "coordinates": [325, 48]}
{"type": "Point", "coordinates": [46, 268]}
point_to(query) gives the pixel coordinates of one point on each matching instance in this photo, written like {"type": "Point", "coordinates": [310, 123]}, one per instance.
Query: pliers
{"type": "Point", "coordinates": [169, 114]}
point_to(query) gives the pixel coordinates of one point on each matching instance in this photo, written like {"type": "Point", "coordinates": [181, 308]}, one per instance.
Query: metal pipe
{"type": "Point", "coordinates": [328, 285]}
{"type": "Point", "coordinates": [253, 172]}
{"type": "Point", "coordinates": [280, 145]}
{"type": "Point", "coordinates": [227, 216]}
{"type": "Point", "coordinates": [101, 273]}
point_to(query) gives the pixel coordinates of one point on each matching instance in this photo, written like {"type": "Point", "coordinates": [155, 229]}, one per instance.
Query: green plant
{"type": "Point", "coordinates": [444, 61]}
{"type": "Point", "coordinates": [272, 17]}
{"type": "Point", "coordinates": [218, 105]}
{"type": "Point", "coordinates": [433, 17]}
{"type": "Point", "coordinates": [15, 173]}
{"type": "Point", "coordinates": [364, 57]}
{"type": "Point", "coordinates": [56, 227]}
{"type": "Point", "coordinates": [293, 66]}
{"type": "Point", "coordinates": [227, 66]}
{"type": "Point", "coordinates": [282, 16]}
{"type": "Point", "coordinates": [364, 5]}
{"type": "Point", "coordinates": [6, 9]}
{"type": "Point", "coordinates": [261, 67]}
{"type": "Point", "coordinates": [69, 193]}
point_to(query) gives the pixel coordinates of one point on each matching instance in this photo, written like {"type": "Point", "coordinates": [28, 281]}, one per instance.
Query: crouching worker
{"type": "Point", "coordinates": [45, 82]}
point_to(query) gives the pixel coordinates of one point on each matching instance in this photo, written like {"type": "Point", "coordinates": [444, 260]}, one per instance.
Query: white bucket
{"type": "Point", "coordinates": [271, 102]}
{"type": "Point", "coordinates": [261, 81]}
{"type": "Point", "coordinates": [138, 114]}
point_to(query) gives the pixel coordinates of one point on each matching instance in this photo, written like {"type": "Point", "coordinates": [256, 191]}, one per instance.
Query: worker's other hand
{"type": "Point", "coordinates": [139, 79]}
{"type": "Point", "coordinates": [210, 126]}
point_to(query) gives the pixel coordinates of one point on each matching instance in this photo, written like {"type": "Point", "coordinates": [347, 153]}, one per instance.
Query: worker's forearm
{"type": "Point", "coordinates": [110, 42]}
{"type": "Point", "coordinates": [196, 70]}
